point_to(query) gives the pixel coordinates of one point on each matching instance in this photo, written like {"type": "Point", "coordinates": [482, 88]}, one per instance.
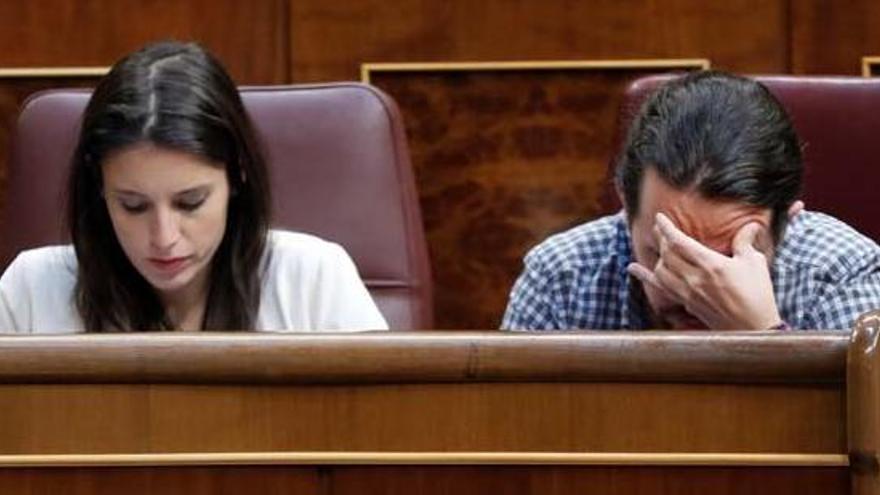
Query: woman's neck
{"type": "Point", "coordinates": [186, 307]}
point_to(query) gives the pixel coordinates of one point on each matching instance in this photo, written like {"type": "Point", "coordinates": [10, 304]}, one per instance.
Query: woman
{"type": "Point", "coordinates": [168, 210]}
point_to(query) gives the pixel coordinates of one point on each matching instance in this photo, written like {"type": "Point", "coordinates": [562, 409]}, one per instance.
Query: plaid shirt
{"type": "Point", "coordinates": [825, 274]}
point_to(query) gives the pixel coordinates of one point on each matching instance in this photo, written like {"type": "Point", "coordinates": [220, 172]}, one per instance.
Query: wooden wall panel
{"type": "Point", "coordinates": [502, 160]}
{"type": "Point", "coordinates": [424, 480]}
{"type": "Point", "coordinates": [481, 219]}
{"type": "Point", "coordinates": [250, 37]}
{"type": "Point", "coordinates": [830, 37]}
{"type": "Point", "coordinates": [329, 40]}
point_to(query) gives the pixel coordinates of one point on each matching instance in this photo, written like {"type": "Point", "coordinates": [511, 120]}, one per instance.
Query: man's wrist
{"type": "Point", "coordinates": [782, 326]}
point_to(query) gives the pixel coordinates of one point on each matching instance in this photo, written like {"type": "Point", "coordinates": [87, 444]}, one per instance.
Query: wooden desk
{"type": "Point", "coordinates": [426, 413]}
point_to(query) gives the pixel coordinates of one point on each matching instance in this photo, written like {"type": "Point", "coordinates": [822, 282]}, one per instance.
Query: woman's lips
{"type": "Point", "coordinates": [169, 266]}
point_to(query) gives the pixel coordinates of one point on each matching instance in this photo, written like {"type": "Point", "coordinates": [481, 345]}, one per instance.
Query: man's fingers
{"type": "Point", "coordinates": [687, 247]}
{"type": "Point", "coordinates": [675, 262]}
{"type": "Point", "coordinates": [673, 283]}
{"type": "Point", "coordinates": [645, 275]}
{"type": "Point", "coordinates": [744, 241]}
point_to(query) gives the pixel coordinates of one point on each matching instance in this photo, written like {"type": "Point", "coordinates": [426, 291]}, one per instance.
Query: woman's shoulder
{"type": "Point", "coordinates": [36, 292]}
{"type": "Point", "coordinates": [47, 264]}
{"type": "Point", "coordinates": [285, 247]}
{"type": "Point", "coordinates": [311, 284]}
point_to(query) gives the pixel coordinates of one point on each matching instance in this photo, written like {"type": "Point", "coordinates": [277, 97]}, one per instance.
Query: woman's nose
{"type": "Point", "coordinates": [165, 229]}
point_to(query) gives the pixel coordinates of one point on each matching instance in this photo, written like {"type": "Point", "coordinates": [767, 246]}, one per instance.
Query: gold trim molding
{"type": "Point", "coordinates": [429, 458]}
{"type": "Point", "coordinates": [662, 63]}
{"type": "Point", "coordinates": [47, 72]}
{"type": "Point", "coordinates": [867, 63]}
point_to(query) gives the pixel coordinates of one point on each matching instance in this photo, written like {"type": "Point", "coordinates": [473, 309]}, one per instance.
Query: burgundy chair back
{"type": "Point", "coordinates": [837, 119]}
{"type": "Point", "coordinates": [339, 165]}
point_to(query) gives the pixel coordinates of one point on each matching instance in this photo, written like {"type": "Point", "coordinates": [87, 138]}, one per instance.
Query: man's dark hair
{"type": "Point", "coordinates": [176, 96]}
{"type": "Point", "coordinates": [725, 136]}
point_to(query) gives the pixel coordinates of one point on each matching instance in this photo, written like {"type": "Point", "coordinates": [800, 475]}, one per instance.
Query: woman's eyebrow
{"type": "Point", "coordinates": [128, 192]}
{"type": "Point", "coordinates": [205, 188]}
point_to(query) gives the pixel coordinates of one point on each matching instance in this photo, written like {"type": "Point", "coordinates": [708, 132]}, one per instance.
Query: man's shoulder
{"type": "Point", "coordinates": [587, 245]}
{"type": "Point", "coordinates": [821, 241]}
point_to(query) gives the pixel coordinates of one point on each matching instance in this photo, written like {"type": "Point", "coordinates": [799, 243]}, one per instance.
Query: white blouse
{"type": "Point", "coordinates": [309, 285]}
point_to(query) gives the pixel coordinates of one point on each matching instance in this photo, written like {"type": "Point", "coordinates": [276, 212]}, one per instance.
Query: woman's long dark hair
{"type": "Point", "coordinates": [176, 96]}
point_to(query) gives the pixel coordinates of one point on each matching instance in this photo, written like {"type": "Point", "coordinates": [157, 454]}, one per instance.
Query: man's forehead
{"type": "Point", "coordinates": [712, 222]}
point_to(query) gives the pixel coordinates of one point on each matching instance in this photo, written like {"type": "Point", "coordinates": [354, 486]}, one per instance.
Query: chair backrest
{"type": "Point", "coordinates": [838, 121]}
{"type": "Point", "coordinates": [339, 165]}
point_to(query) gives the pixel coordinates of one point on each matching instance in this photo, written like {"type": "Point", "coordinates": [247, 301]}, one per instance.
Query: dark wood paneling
{"type": "Point", "coordinates": [502, 160]}
{"type": "Point", "coordinates": [502, 163]}
{"type": "Point", "coordinates": [249, 37]}
{"type": "Point", "coordinates": [425, 357]}
{"type": "Point", "coordinates": [831, 37]}
{"type": "Point", "coordinates": [433, 417]}
{"type": "Point", "coordinates": [196, 480]}
{"type": "Point", "coordinates": [425, 480]}
{"type": "Point", "coordinates": [463, 436]}
{"type": "Point", "coordinates": [522, 480]}
{"type": "Point", "coordinates": [863, 404]}
{"type": "Point", "coordinates": [329, 40]}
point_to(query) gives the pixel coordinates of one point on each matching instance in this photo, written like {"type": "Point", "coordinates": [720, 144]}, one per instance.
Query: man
{"type": "Point", "coordinates": [712, 234]}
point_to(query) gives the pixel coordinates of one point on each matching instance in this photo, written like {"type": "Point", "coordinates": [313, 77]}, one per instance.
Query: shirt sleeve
{"type": "Point", "coordinates": [840, 303]}
{"type": "Point", "coordinates": [11, 290]}
{"type": "Point", "coordinates": [531, 305]}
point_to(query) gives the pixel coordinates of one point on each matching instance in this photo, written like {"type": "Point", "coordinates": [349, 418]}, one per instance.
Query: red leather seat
{"type": "Point", "coordinates": [340, 169]}
{"type": "Point", "coordinates": [838, 120]}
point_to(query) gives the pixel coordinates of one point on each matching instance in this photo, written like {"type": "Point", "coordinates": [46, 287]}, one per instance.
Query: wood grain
{"type": "Point", "coordinates": [863, 405]}
{"type": "Point", "coordinates": [831, 38]}
{"type": "Point", "coordinates": [412, 392]}
{"type": "Point", "coordinates": [424, 357]}
{"type": "Point", "coordinates": [496, 30]}
{"type": "Point", "coordinates": [503, 159]}
{"type": "Point", "coordinates": [391, 480]}
{"type": "Point", "coordinates": [249, 37]}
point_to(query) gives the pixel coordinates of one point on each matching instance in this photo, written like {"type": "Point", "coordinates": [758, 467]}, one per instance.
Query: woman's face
{"type": "Point", "coordinates": [168, 210]}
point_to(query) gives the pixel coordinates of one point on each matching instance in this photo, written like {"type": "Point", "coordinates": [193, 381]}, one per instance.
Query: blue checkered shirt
{"type": "Point", "coordinates": [825, 274]}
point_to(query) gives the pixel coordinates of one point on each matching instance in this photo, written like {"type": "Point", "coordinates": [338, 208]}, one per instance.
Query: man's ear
{"type": "Point", "coordinates": [795, 208]}
{"type": "Point", "coordinates": [620, 196]}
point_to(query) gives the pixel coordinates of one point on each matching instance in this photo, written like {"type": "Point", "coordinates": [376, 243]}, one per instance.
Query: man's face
{"type": "Point", "coordinates": [713, 223]}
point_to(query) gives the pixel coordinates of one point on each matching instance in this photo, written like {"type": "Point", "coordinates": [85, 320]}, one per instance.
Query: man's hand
{"type": "Point", "coordinates": [726, 293]}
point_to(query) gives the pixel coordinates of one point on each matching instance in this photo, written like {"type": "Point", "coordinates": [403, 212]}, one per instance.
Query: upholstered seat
{"type": "Point", "coordinates": [838, 122]}
{"type": "Point", "coordinates": [340, 169]}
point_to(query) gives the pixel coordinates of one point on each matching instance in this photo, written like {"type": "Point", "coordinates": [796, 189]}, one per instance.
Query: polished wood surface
{"type": "Point", "coordinates": [116, 394]}
{"type": "Point", "coordinates": [401, 357]}
{"type": "Point", "coordinates": [428, 458]}
{"type": "Point", "coordinates": [863, 404]}
{"type": "Point", "coordinates": [741, 35]}
{"type": "Point", "coordinates": [250, 37]}
{"type": "Point", "coordinates": [425, 480]}
{"type": "Point", "coordinates": [442, 417]}
{"type": "Point", "coordinates": [829, 37]}
{"type": "Point", "coordinates": [426, 412]}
